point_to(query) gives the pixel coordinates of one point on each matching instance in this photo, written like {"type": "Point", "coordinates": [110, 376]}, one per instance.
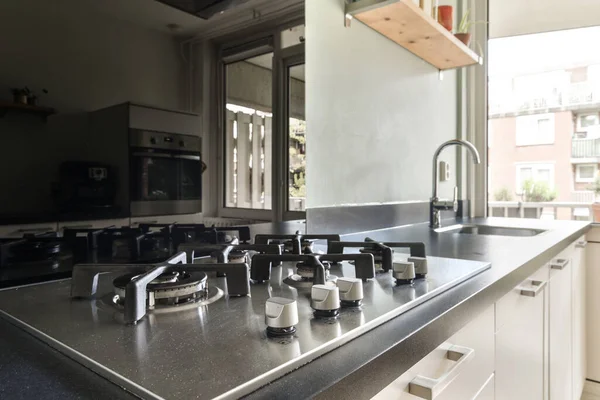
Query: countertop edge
{"type": "Point", "coordinates": [367, 364]}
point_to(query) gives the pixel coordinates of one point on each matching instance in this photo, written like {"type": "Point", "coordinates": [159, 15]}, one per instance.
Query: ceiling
{"type": "Point", "coordinates": [152, 14]}
{"type": "Point", "coordinates": [518, 17]}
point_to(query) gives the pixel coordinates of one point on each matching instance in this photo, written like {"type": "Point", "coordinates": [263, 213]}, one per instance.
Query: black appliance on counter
{"type": "Point", "coordinates": [48, 256]}
{"type": "Point", "coordinates": [165, 173]}
{"type": "Point", "coordinates": [86, 187]}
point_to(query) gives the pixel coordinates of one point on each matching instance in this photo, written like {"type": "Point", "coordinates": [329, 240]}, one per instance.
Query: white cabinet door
{"type": "Point", "coordinates": [487, 392]}
{"type": "Point", "coordinates": [445, 376]}
{"type": "Point", "coordinates": [579, 322]}
{"type": "Point", "coordinates": [593, 307]}
{"type": "Point", "coordinates": [520, 350]}
{"type": "Point", "coordinates": [560, 325]}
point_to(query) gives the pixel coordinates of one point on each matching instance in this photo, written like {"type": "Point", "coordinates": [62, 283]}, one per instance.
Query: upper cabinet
{"type": "Point", "coordinates": [405, 23]}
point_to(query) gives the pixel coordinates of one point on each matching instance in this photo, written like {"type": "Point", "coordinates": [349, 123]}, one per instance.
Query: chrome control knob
{"type": "Point", "coordinates": [351, 291]}
{"type": "Point", "coordinates": [325, 300]}
{"type": "Point", "coordinates": [281, 316]}
{"type": "Point", "coordinates": [420, 266]}
{"type": "Point", "coordinates": [404, 272]}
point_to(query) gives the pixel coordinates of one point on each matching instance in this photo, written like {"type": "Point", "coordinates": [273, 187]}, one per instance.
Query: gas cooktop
{"type": "Point", "coordinates": [194, 333]}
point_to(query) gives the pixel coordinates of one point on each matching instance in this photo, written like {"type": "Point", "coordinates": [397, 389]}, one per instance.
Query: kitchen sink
{"type": "Point", "coordinates": [490, 230]}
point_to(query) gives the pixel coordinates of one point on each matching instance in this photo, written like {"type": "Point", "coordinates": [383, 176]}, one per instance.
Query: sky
{"type": "Point", "coordinates": [548, 51]}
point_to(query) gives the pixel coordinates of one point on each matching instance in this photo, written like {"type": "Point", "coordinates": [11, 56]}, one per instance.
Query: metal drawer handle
{"type": "Point", "coordinates": [529, 292]}
{"type": "Point", "coordinates": [581, 244]}
{"type": "Point", "coordinates": [429, 388]}
{"type": "Point", "coordinates": [559, 263]}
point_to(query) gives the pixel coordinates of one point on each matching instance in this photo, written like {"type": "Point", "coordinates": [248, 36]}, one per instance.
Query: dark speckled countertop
{"type": "Point", "coordinates": [360, 368]}
{"type": "Point", "coordinates": [364, 366]}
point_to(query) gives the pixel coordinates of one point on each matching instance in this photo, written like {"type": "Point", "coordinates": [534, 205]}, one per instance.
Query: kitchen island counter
{"type": "Point", "coordinates": [364, 366]}
{"type": "Point", "coordinates": [360, 368]}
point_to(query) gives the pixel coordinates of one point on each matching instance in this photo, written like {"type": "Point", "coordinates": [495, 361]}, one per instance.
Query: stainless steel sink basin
{"type": "Point", "coordinates": [490, 230]}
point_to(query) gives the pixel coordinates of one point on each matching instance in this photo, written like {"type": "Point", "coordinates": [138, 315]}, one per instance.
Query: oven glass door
{"type": "Point", "coordinates": [165, 176]}
{"type": "Point", "coordinates": [190, 177]}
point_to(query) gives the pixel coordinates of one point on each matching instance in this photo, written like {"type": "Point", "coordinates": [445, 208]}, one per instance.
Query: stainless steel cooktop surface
{"type": "Point", "coordinates": [218, 350]}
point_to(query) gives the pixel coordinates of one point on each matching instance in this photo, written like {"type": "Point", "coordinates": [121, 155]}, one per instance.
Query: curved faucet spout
{"type": "Point", "coordinates": [453, 142]}
{"type": "Point", "coordinates": [436, 205]}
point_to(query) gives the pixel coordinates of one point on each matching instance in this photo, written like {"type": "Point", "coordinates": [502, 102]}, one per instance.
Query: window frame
{"type": "Point", "coordinates": [239, 48]}
{"type": "Point", "coordinates": [290, 56]}
{"type": "Point", "coordinates": [579, 179]}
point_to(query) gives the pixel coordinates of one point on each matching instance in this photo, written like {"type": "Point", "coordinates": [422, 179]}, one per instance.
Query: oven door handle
{"type": "Point", "coordinates": [167, 155]}
{"type": "Point", "coordinates": [187, 157]}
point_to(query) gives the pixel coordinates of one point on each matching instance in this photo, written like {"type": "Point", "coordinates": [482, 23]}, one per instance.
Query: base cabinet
{"type": "Point", "coordinates": [458, 369]}
{"type": "Point", "coordinates": [538, 342]}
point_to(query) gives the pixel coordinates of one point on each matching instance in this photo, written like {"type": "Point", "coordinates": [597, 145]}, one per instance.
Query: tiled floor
{"type": "Point", "coordinates": [587, 396]}
{"type": "Point", "coordinates": [591, 391]}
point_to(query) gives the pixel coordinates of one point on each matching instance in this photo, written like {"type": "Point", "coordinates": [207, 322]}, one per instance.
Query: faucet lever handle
{"type": "Point", "coordinates": [455, 201]}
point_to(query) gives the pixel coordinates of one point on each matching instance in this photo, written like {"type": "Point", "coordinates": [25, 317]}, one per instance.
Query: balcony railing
{"type": "Point", "coordinates": [576, 94]}
{"type": "Point", "coordinates": [545, 210]}
{"type": "Point", "coordinates": [585, 148]}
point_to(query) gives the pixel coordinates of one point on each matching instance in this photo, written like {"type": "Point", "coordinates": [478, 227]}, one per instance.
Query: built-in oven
{"type": "Point", "coordinates": [165, 173]}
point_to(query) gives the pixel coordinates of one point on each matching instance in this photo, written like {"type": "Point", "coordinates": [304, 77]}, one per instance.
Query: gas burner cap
{"type": "Point", "coordinates": [170, 288]}
{"type": "Point", "coordinates": [238, 256]}
{"type": "Point", "coordinates": [288, 245]}
{"type": "Point", "coordinates": [307, 271]}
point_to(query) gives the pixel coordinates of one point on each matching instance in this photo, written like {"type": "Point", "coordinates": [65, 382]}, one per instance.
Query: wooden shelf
{"type": "Point", "coordinates": [43, 112]}
{"type": "Point", "coordinates": [405, 23]}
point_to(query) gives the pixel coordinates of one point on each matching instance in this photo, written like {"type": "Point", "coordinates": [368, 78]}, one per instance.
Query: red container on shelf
{"type": "Point", "coordinates": [445, 16]}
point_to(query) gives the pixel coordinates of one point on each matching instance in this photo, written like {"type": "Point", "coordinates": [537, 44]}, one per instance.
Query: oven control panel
{"type": "Point", "coordinates": [163, 140]}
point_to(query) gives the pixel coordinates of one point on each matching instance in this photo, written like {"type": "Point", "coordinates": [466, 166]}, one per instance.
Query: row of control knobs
{"type": "Point", "coordinates": [281, 314]}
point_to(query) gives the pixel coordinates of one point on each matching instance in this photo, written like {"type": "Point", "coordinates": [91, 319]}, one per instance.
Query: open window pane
{"type": "Point", "coordinates": [296, 139]}
{"type": "Point", "coordinates": [248, 133]}
{"type": "Point", "coordinates": [544, 115]}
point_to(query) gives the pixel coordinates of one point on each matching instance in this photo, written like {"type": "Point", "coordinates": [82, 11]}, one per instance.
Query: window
{"type": "Point", "coordinates": [536, 172]}
{"type": "Point", "coordinates": [535, 130]}
{"type": "Point", "coordinates": [586, 172]}
{"type": "Point", "coordinates": [587, 120]}
{"type": "Point", "coordinates": [297, 139]}
{"type": "Point", "coordinates": [248, 133]}
{"type": "Point", "coordinates": [263, 134]}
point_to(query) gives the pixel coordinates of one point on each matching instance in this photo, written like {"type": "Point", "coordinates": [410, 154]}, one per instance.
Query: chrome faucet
{"type": "Point", "coordinates": [436, 204]}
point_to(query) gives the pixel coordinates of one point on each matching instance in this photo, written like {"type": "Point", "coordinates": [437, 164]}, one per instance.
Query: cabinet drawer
{"type": "Point", "coordinates": [461, 379]}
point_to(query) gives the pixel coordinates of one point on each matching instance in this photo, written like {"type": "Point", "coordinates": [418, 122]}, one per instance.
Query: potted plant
{"type": "Point", "coordinates": [596, 206]}
{"type": "Point", "coordinates": [20, 95]}
{"type": "Point", "coordinates": [462, 31]}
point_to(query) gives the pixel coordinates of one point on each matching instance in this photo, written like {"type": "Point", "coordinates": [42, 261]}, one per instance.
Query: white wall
{"type": "Point", "coordinates": [518, 17]}
{"type": "Point", "coordinates": [86, 60]}
{"type": "Point", "coordinates": [375, 114]}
